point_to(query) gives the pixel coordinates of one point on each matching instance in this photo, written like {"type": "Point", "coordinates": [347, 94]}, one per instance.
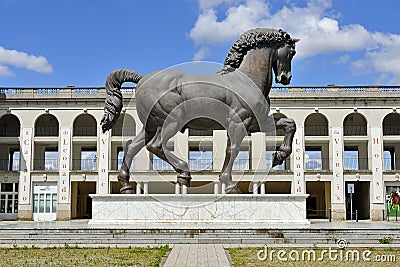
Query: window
{"type": "Point", "coordinates": [9, 198]}
{"type": "Point", "coordinates": [120, 157]}
{"type": "Point", "coordinates": [11, 163]}
{"type": "Point", "coordinates": [389, 162]}
{"type": "Point", "coordinates": [350, 157]}
{"type": "Point", "coordinates": [242, 161]}
{"type": "Point", "coordinates": [313, 158]}
{"type": "Point", "coordinates": [51, 159]}
{"type": "Point", "coordinates": [200, 160]}
{"type": "Point", "coordinates": [88, 159]}
{"type": "Point", "coordinates": [14, 160]}
{"type": "Point", "coordinates": [161, 165]}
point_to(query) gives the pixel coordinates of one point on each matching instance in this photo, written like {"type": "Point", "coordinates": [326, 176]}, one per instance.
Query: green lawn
{"type": "Point", "coordinates": [252, 257]}
{"type": "Point", "coordinates": [73, 256]}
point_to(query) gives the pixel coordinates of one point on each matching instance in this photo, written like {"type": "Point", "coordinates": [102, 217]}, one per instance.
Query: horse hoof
{"type": "Point", "coordinates": [184, 181]}
{"type": "Point", "coordinates": [233, 190]}
{"type": "Point", "coordinates": [127, 190]}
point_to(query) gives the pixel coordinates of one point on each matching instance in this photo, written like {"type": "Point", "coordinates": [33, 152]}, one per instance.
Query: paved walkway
{"type": "Point", "coordinates": [197, 255]}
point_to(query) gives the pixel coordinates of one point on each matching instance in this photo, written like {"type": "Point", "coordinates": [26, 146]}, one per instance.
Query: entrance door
{"type": "Point", "coordinates": [81, 204]}
{"type": "Point", "coordinates": [319, 199]}
{"type": "Point", "coordinates": [360, 200]}
{"type": "Point", "coordinates": [44, 201]}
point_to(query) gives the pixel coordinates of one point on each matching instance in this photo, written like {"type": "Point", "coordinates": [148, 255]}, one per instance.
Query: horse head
{"type": "Point", "coordinates": [282, 63]}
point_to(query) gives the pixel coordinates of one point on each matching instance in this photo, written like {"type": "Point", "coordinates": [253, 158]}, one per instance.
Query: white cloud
{"type": "Point", "coordinates": [342, 59]}
{"type": "Point", "coordinates": [201, 54]}
{"type": "Point", "coordinates": [383, 57]}
{"type": "Point", "coordinates": [4, 71]}
{"type": "Point", "coordinates": [22, 60]}
{"type": "Point", "coordinates": [315, 24]}
{"type": "Point", "coordinates": [208, 30]}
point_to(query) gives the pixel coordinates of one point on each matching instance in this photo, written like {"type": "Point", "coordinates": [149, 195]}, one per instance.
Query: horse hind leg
{"type": "Point", "coordinates": [158, 146]}
{"type": "Point", "coordinates": [289, 127]}
{"type": "Point", "coordinates": [132, 148]}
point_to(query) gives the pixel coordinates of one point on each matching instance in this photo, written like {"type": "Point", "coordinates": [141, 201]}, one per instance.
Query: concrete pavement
{"type": "Point", "coordinates": [197, 255]}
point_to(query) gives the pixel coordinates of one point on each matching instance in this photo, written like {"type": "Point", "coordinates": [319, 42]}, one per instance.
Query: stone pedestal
{"type": "Point", "coordinates": [254, 211]}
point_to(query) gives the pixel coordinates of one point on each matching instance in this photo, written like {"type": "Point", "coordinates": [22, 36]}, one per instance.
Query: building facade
{"type": "Point", "coordinates": [53, 154]}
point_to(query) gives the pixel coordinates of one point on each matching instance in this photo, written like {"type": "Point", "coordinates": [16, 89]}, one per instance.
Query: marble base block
{"type": "Point", "coordinates": [200, 209]}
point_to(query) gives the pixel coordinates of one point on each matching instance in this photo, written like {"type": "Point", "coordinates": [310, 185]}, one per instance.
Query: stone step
{"type": "Point", "coordinates": [280, 235]}
{"type": "Point", "coordinates": [206, 235]}
{"type": "Point", "coordinates": [192, 231]}
{"type": "Point", "coordinates": [178, 240]}
{"type": "Point", "coordinates": [109, 236]}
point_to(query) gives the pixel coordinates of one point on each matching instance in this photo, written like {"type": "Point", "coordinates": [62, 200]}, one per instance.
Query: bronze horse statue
{"type": "Point", "coordinates": [235, 99]}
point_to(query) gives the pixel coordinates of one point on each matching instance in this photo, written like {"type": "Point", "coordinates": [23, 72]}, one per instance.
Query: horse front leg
{"type": "Point", "coordinates": [236, 133]}
{"type": "Point", "coordinates": [132, 148]}
{"type": "Point", "coordinates": [289, 127]}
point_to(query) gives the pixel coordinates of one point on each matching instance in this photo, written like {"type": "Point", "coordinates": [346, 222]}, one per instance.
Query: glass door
{"type": "Point", "coordinates": [44, 201]}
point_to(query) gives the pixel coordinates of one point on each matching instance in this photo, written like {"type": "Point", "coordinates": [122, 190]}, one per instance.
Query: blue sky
{"type": "Point", "coordinates": [59, 43]}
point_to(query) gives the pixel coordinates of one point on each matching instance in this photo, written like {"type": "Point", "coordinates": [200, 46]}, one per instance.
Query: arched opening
{"type": "Point", "coordinates": [391, 124]}
{"type": "Point", "coordinates": [9, 126]}
{"type": "Point", "coordinates": [354, 124]}
{"type": "Point", "coordinates": [85, 125]}
{"type": "Point", "coordinates": [46, 125]}
{"type": "Point", "coordinates": [10, 150]}
{"type": "Point", "coordinates": [316, 124]}
{"type": "Point", "coordinates": [125, 126]}
{"type": "Point", "coordinates": [391, 148]}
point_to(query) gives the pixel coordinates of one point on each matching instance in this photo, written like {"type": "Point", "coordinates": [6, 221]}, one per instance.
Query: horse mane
{"type": "Point", "coordinates": [259, 37]}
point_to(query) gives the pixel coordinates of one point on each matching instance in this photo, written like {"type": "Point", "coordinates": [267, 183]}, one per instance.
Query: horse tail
{"type": "Point", "coordinates": [113, 102]}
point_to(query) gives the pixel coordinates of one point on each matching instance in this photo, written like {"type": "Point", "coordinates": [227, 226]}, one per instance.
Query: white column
{"type": "Point", "coordinates": [177, 189]}
{"type": "Point", "coordinates": [216, 188]}
{"type": "Point", "coordinates": [255, 188]}
{"type": "Point", "coordinates": [298, 164]}
{"type": "Point", "coordinates": [378, 200]}
{"type": "Point", "coordinates": [138, 188]}
{"type": "Point", "coordinates": [65, 148]}
{"type": "Point", "coordinates": [219, 146]}
{"type": "Point", "coordinates": [24, 190]}
{"type": "Point", "coordinates": [184, 190]}
{"type": "Point", "coordinates": [181, 145]}
{"type": "Point", "coordinates": [146, 188]}
{"type": "Point", "coordinates": [338, 198]}
{"type": "Point", "coordinates": [258, 151]}
{"type": "Point", "coordinates": [103, 183]}
{"type": "Point", "coordinates": [223, 188]}
{"type": "Point", "coordinates": [262, 190]}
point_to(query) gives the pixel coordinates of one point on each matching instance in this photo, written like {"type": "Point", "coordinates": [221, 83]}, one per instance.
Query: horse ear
{"type": "Point", "coordinates": [295, 40]}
